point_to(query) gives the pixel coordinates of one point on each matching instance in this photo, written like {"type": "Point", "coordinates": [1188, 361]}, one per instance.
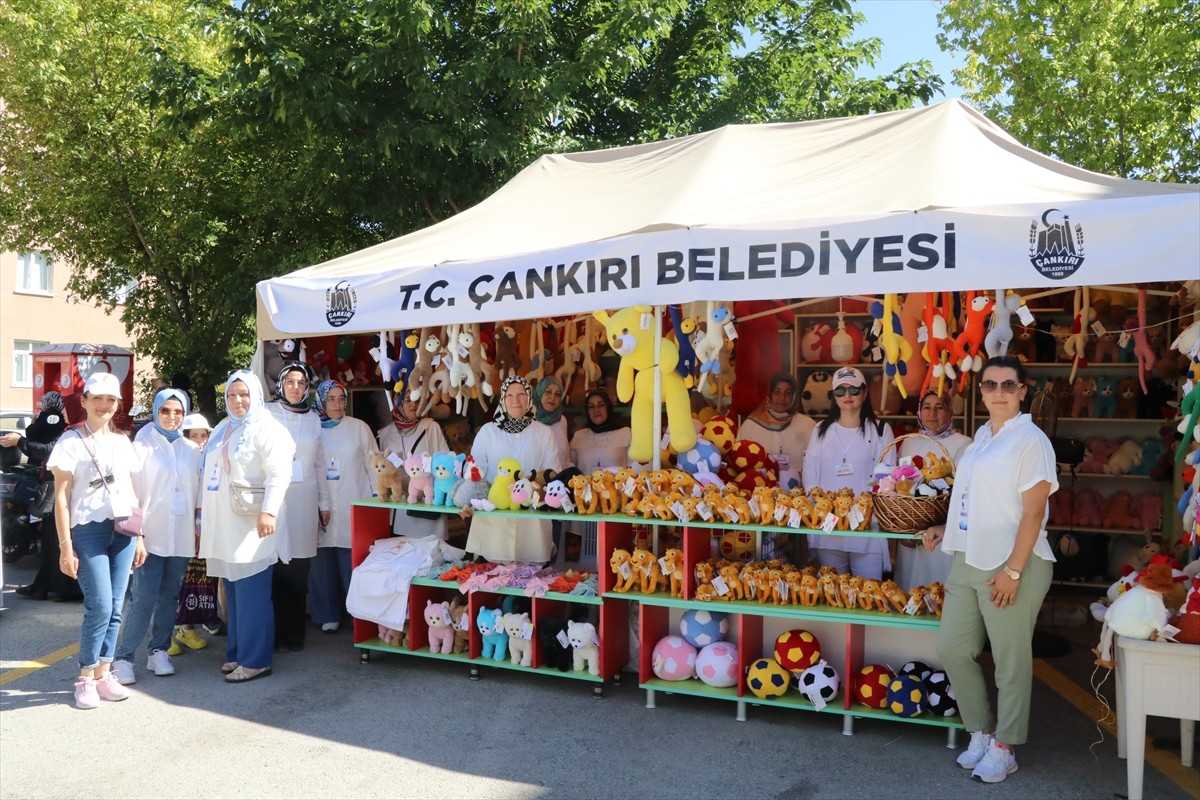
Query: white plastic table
{"type": "Point", "coordinates": [1159, 678]}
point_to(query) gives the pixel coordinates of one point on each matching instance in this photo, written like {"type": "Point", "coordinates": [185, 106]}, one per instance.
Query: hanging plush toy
{"type": "Point", "coordinates": [631, 335]}
{"type": "Point", "coordinates": [684, 327]}
{"type": "Point", "coordinates": [508, 359]}
{"type": "Point", "coordinates": [965, 352]}
{"type": "Point", "coordinates": [997, 339]}
{"type": "Point", "coordinates": [1076, 341]}
{"type": "Point", "coordinates": [708, 346]}
{"type": "Point", "coordinates": [758, 355]}
{"type": "Point", "coordinates": [1141, 344]}
{"type": "Point", "coordinates": [938, 342]}
{"type": "Point", "coordinates": [896, 349]}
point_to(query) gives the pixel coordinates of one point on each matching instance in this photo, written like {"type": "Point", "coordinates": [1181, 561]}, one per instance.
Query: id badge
{"type": "Point", "coordinates": [783, 461]}
{"type": "Point", "coordinates": [333, 470]}
{"type": "Point", "coordinates": [962, 511]}
{"type": "Point", "coordinates": [121, 506]}
{"type": "Point", "coordinates": [214, 478]}
{"type": "Point", "coordinates": [297, 471]}
{"type": "Point", "coordinates": [178, 506]}
{"type": "Point", "coordinates": [844, 468]}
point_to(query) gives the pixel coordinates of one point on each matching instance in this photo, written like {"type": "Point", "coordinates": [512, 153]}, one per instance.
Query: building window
{"type": "Point", "coordinates": [121, 296]}
{"type": "Point", "coordinates": [35, 274]}
{"type": "Point", "coordinates": [23, 362]}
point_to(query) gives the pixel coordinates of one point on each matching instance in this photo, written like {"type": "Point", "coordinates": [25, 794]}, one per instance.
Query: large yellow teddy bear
{"type": "Point", "coordinates": [631, 333]}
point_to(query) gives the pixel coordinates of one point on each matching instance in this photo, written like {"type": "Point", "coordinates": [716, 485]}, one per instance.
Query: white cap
{"type": "Point", "coordinates": [848, 376]}
{"type": "Point", "coordinates": [195, 422]}
{"type": "Point", "coordinates": [102, 383]}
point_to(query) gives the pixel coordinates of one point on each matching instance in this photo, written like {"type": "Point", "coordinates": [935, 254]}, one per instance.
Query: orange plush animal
{"type": "Point", "coordinates": [620, 564]}
{"type": "Point", "coordinates": [645, 566]}
{"type": "Point", "coordinates": [672, 567]}
{"type": "Point", "coordinates": [871, 596]}
{"type": "Point", "coordinates": [830, 590]}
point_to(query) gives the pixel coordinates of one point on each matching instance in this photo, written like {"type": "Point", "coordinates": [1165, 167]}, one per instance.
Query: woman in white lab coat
{"type": "Point", "coordinates": [348, 445]}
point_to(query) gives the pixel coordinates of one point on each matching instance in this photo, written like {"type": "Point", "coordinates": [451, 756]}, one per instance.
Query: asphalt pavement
{"type": "Point", "coordinates": [324, 725]}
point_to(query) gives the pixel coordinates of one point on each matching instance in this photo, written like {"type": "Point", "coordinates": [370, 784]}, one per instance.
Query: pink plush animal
{"type": "Point", "coordinates": [441, 627]}
{"type": "Point", "coordinates": [1087, 508]}
{"type": "Point", "coordinates": [1147, 511]}
{"type": "Point", "coordinates": [1096, 454]}
{"type": "Point", "coordinates": [420, 480]}
{"type": "Point", "coordinates": [1062, 507]}
{"type": "Point", "coordinates": [1117, 510]}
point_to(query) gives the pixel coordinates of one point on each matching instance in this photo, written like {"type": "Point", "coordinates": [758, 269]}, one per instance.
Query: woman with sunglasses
{"type": "Point", "coordinates": [169, 487]}
{"type": "Point", "coordinates": [1000, 571]}
{"type": "Point", "coordinates": [305, 507]}
{"type": "Point", "coordinates": [843, 453]}
{"type": "Point", "coordinates": [916, 566]}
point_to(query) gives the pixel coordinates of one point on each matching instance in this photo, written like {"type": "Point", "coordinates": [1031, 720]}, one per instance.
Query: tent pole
{"type": "Point", "coordinates": [656, 461]}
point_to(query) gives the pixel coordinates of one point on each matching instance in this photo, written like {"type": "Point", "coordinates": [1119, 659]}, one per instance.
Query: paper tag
{"type": "Point", "coordinates": [568, 504]}
{"type": "Point", "coordinates": [817, 701]}
{"type": "Point", "coordinates": [697, 491]}
{"type": "Point", "coordinates": [704, 510]}
{"type": "Point", "coordinates": [911, 607]}
{"type": "Point", "coordinates": [876, 354]}
{"type": "Point", "coordinates": [856, 517]}
{"type": "Point", "coordinates": [1168, 632]}
{"type": "Point", "coordinates": [664, 442]}
{"type": "Point", "coordinates": [374, 352]}
{"type": "Point", "coordinates": [794, 519]}
{"type": "Point", "coordinates": [719, 584]}
{"type": "Point", "coordinates": [783, 460]}
{"type": "Point", "coordinates": [426, 462]}
{"type": "Point", "coordinates": [782, 587]}
{"type": "Point", "coordinates": [730, 331]}
{"type": "Point", "coordinates": [214, 478]}
{"type": "Point", "coordinates": [587, 493]}
{"type": "Point", "coordinates": [781, 511]}
{"type": "Point", "coordinates": [922, 333]}
{"type": "Point", "coordinates": [462, 351]}
{"type": "Point", "coordinates": [829, 523]}
{"type": "Point", "coordinates": [677, 508]}
{"type": "Point", "coordinates": [395, 461]}
{"type": "Point", "coordinates": [1024, 315]}
{"type": "Point", "coordinates": [630, 488]}
{"type": "Point", "coordinates": [297, 471]}
{"type": "Point", "coordinates": [333, 469]}
{"type": "Point", "coordinates": [1124, 339]}
{"type": "Point", "coordinates": [178, 506]}
{"type": "Point", "coordinates": [930, 603]}
{"type": "Point", "coordinates": [625, 571]}
{"type": "Point", "coordinates": [645, 321]}
{"type": "Point", "coordinates": [527, 630]}
{"type": "Point", "coordinates": [732, 513]}
{"type": "Point", "coordinates": [563, 641]}
{"type": "Point", "coordinates": [667, 567]}
{"type": "Point", "coordinates": [1099, 328]}
{"type": "Point", "coordinates": [464, 623]}
{"type": "Point", "coordinates": [436, 359]}
{"type": "Point", "coordinates": [755, 508]}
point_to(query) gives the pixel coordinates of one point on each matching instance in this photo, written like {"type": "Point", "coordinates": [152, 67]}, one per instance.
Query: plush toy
{"type": "Point", "coordinates": [1096, 452]}
{"type": "Point", "coordinates": [1023, 344]}
{"type": "Point", "coordinates": [461, 624]}
{"type": "Point", "coordinates": [441, 627]}
{"type": "Point", "coordinates": [524, 494]}
{"type": "Point", "coordinates": [1117, 510]}
{"type": "Point", "coordinates": [276, 353]}
{"type": "Point", "coordinates": [1087, 502]}
{"type": "Point", "coordinates": [389, 483]}
{"type": "Point", "coordinates": [816, 399]}
{"type": "Point", "coordinates": [815, 343]}
{"type": "Point", "coordinates": [1141, 344]}
{"type": "Point", "coordinates": [1062, 507]}
{"type": "Point", "coordinates": [1147, 511]}
{"type": "Point", "coordinates": [1105, 405]}
{"type": "Point", "coordinates": [619, 563]}
{"type": "Point", "coordinates": [500, 495]}
{"type": "Point", "coordinates": [508, 360]}
{"type": "Point", "coordinates": [631, 337]}
{"type": "Point", "coordinates": [1127, 456]}
{"type": "Point", "coordinates": [684, 327]}
{"type": "Point", "coordinates": [1127, 399]}
{"type": "Point", "coordinates": [1083, 390]}
{"type": "Point", "coordinates": [938, 342]}
{"type": "Point", "coordinates": [1189, 409]}
{"type": "Point", "coordinates": [520, 638]}
{"type": "Point", "coordinates": [491, 628]}
{"type": "Point", "coordinates": [473, 488]}
{"type": "Point", "coordinates": [405, 362]}
{"type": "Point", "coordinates": [447, 471]}
{"type": "Point", "coordinates": [556, 647]}
{"type": "Point", "coordinates": [420, 481]}
{"type": "Point", "coordinates": [1044, 342]}
{"type": "Point", "coordinates": [708, 345]}
{"type": "Point", "coordinates": [995, 343]}
{"type": "Point", "coordinates": [1138, 613]}
{"type": "Point", "coordinates": [896, 349]}
{"type": "Point", "coordinates": [965, 352]}
{"type": "Point", "coordinates": [1105, 349]}
{"type": "Point", "coordinates": [757, 357]}
{"type": "Point", "coordinates": [1075, 343]}
{"type": "Point", "coordinates": [586, 646]}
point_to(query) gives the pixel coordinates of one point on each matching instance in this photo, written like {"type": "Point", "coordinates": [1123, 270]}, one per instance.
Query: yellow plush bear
{"type": "Point", "coordinates": [630, 332]}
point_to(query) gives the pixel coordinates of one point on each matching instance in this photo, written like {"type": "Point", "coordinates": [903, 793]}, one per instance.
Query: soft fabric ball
{"type": "Point", "coordinates": [704, 457]}
{"type": "Point", "coordinates": [906, 696]}
{"type": "Point", "coordinates": [797, 650]}
{"type": "Point", "coordinates": [701, 628]}
{"type": "Point", "coordinates": [918, 668]}
{"type": "Point", "coordinates": [819, 680]}
{"type": "Point", "coordinates": [737, 545]}
{"type": "Point", "coordinates": [767, 679]}
{"type": "Point", "coordinates": [721, 430]}
{"type": "Point", "coordinates": [673, 659]}
{"type": "Point", "coordinates": [717, 665]}
{"type": "Point", "coordinates": [939, 695]}
{"type": "Point", "coordinates": [871, 685]}
{"type": "Point", "coordinates": [747, 455]}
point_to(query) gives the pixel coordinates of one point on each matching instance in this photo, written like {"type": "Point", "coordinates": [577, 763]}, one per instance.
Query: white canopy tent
{"type": "Point", "coordinates": [932, 199]}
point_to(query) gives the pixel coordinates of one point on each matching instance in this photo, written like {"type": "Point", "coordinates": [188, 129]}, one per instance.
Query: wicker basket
{"type": "Point", "coordinates": [901, 514]}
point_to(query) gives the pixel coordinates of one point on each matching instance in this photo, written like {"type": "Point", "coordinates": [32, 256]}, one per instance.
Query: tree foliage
{"type": "Point", "coordinates": [1110, 86]}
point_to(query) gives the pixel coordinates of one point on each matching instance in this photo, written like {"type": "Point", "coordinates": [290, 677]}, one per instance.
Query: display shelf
{"type": "Point", "coordinates": [864, 712]}
{"type": "Point", "coordinates": [424, 652]}
{"type": "Point", "coordinates": [818, 613]}
{"type": "Point", "coordinates": [578, 675]}
{"type": "Point", "coordinates": [590, 600]}
{"type": "Point", "coordinates": [1090, 366]}
{"type": "Point", "coordinates": [1111, 531]}
{"type": "Point", "coordinates": [1110, 420]}
{"type": "Point", "coordinates": [1125, 476]}
{"type": "Point", "coordinates": [693, 687]}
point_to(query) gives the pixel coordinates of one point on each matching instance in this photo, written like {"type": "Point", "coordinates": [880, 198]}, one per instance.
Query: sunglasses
{"type": "Point", "coordinates": [170, 412]}
{"type": "Point", "coordinates": [1008, 387]}
{"type": "Point", "coordinates": [95, 484]}
{"type": "Point", "coordinates": [853, 391]}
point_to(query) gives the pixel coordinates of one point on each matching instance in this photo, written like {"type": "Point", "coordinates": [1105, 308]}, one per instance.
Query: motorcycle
{"type": "Point", "coordinates": [18, 494]}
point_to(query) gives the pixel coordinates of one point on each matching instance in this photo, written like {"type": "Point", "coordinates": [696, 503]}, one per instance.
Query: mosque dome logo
{"type": "Point", "coordinates": [1055, 249]}
{"type": "Point", "coordinates": [340, 304]}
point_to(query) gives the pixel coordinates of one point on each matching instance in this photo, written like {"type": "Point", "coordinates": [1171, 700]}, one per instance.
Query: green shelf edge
{"type": "Point", "coordinates": [857, 617]}
{"type": "Point", "coordinates": [514, 592]}
{"type": "Point", "coordinates": [380, 646]}
{"type": "Point", "coordinates": [377, 644]}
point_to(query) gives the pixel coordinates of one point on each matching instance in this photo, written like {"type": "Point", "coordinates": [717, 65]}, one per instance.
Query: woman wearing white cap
{"type": "Point", "coordinates": [93, 487]}
{"type": "Point", "coordinates": [843, 452]}
{"type": "Point", "coordinates": [197, 429]}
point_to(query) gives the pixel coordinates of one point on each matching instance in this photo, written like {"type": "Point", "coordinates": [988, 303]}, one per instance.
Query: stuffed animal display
{"type": "Point", "coordinates": [441, 627]}
{"type": "Point", "coordinates": [1139, 613]}
{"type": "Point", "coordinates": [389, 481]}
{"type": "Point", "coordinates": [520, 638]}
{"type": "Point", "coordinates": [490, 623]}
{"type": "Point", "coordinates": [585, 645]}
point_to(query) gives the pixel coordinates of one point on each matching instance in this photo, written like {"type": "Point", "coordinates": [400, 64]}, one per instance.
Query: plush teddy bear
{"type": "Point", "coordinates": [508, 360]}
{"type": "Point", "coordinates": [1146, 509]}
{"type": "Point", "coordinates": [489, 621]}
{"type": "Point", "coordinates": [556, 647]}
{"type": "Point", "coordinates": [520, 638]}
{"type": "Point", "coordinates": [1095, 454]}
{"type": "Point", "coordinates": [1083, 390]}
{"type": "Point", "coordinates": [1127, 456]}
{"type": "Point", "coordinates": [1127, 399]}
{"type": "Point", "coordinates": [1062, 507]}
{"type": "Point", "coordinates": [441, 626]}
{"type": "Point", "coordinates": [1117, 510]}
{"type": "Point", "coordinates": [586, 646]}
{"type": "Point", "coordinates": [389, 480]}
{"type": "Point", "coordinates": [447, 472]}
{"type": "Point", "coordinates": [1023, 346]}
{"type": "Point", "coordinates": [633, 340]}
{"type": "Point", "coordinates": [1105, 405]}
{"type": "Point", "coordinates": [461, 624]}
{"type": "Point", "coordinates": [1086, 508]}
{"type": "Point", "coordinates": [420, 481]}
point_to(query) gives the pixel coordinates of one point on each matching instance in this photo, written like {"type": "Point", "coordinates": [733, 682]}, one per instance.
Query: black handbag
{"type": "Point", "coordinates": [43, 501]}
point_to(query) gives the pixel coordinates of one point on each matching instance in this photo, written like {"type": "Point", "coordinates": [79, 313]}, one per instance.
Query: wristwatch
{"type": "Point", "coordinates": [1012, 573]}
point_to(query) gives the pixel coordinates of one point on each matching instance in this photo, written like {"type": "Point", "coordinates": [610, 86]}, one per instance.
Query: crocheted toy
{"type": "Point", "coordinates": [508, 360]}
{"type": "Point", "coordinates": [684, 327]}
{"type": "Point", "coordinates": [489, 621]}
{"type": "Point", "coordinates": [965, 351]}
{"type": "Point", "coordinates": [631, 336]}
{"type": "Point", "coordinates": [995, 343]}
{"type": "Point", "coordinates": [710, 343]}
{"type": "Point", "coordinates": [586, 646]}
{"type": "Point", "coordinates": [897, 350]}
{"type": "Point", "coordinates": [1105, 404]}
{"type": "Point", "coordinates": [816, 399]}
{"type": "Point", "coordinates": [447, 471]}
{"type": "Point", "coordinates": [556, 647]}
{"type": "Point", "coordinates": [420, 480]}
{"type": "Point", "coordinates": [500, 495]}
{"type": "Point", "coordinates": [520, 638]}
{"type": "Point", "coordinates": [1083, 390]}
{"type": "Point", "coordinates": [1117, 511]}
{"type": "Point", "coordinates": [473, 489]}
{"type": "Point", "coordinates": [429, 356]}
{"type": "Point", "coordinates": [938, 342]}
{"type": "Point", "coordinates": [1127, 399]}
{"type": "Point", "coordinates": [389, 480]}
{"type": "Point", "coordinates": [757, 357]}
{"type": "Point", "coordinates": [1138, 613]}
{"type": "Point", "coordinates": [1141, 344]}
{"type": "Point", "coordinates": [441, 626]}
{"type": "Point", "coordinates": [1128, 455]}
{"type": "Point", "coordinates": [1075, 343]}
{"type": "Point", "coordinates": [461, 624]}
{"type": "Point", "coordinates": [1087, 508]}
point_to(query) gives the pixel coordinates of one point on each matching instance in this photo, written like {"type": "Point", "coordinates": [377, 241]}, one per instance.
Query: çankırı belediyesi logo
{"type": "Point", "coordinates": [1055, 249]}
{"type": "Point", "coordinates": [340, 303]}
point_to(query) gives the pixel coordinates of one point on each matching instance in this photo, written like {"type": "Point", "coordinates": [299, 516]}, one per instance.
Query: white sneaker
{"type": "Point", "coordinates": [997, 764]}
{"type": "Point", "coordinates": [331, 627]}
{"type": "Point", "coordinates": [160, 664]}
{"type": "Point", "coordinates": [124, 671]}
{"type": "Point", "coordinates": [85, 693]}
{"type": "Point", "coordinates": [970, 758]}
{"type": "Point", "coordinates": [109, 688]}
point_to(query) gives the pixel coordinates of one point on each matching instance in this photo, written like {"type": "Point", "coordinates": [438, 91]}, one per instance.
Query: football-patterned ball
{"type": "Point", "coordinates": [747, 455]}
{"type": "Point", "coordinates": [703, 457]}
{"type": "Point", "coordinates": [673, 659]}
{"type": "Point", "coordinates": [906, 696]}
{"type": "Point", "coordinates": [918, 668]}
{"type": "Point", "coordinates": [721, 430]}
{"type": "Point", "coordinates": [737, 545]}
{"type": "Point", "coordinates": [717, 665]}
{"type": "Point", "coordinates": [767, 679]}
{"type": "Point", "coordinates": [701, 628]}
{"type": "Point", "coordinates": [871, 685]}
{"type": "Point", "coordinates": [819, 680]}
{"type": "Point", "coordinates": [797, 650]}
{"type": "Point", "coordinates": [939, 694]}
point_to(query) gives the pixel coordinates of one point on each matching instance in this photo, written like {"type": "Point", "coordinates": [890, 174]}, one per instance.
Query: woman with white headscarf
{"type": "Point", "coordinates": [513, 433]}
{"type": "Point", "coordinates": [248, 450]}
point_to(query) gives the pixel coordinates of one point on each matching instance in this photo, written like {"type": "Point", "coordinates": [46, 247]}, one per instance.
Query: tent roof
{"type": "Point", "coordinates": [941, 156]}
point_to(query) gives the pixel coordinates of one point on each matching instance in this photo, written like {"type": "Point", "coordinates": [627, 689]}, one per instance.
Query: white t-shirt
{"type": "Point", "coordinates": [991, 476]}
{"type": "Point", "coordinates": [854, 454]}
{"type": "Point", "coordinates": [114, 453]}
{"type": "Point", "coordinates": [591, 451]}
{"type": "Point", "coordinates": [786, 446]}
{"type": "Point", "coordinates": [169, 489]}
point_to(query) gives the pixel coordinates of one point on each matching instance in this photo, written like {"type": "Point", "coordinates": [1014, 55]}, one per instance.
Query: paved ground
{"type": "Point", "coordinates": [325, 726]}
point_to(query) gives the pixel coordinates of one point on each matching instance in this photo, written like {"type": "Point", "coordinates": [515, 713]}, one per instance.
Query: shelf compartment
{"type": "Point", "coordinates": [1112, 531]}
{"type": "Point", "coordinates": [381, 646]}
{"type": "Point", "coordinates": [856, 616]}
{"type": "Point", "coordinates": [693, 687]}
{"type": "Point", "coordinates": [512, 591]}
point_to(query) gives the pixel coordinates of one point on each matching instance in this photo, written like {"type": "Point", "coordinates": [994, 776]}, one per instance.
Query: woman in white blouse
{"type": "Point", "coordinates": [1001, 570]}
{"type": "Point", "coordinates": [411, 434]}
{"type": "Point", "coordinates": [843, 452]}
{"type": "Point", "coordinates": [513, 433]}
{"type": "Point", "coordinates": [306, 506]}
{"type": "Point", "coordinates": [347, 443]}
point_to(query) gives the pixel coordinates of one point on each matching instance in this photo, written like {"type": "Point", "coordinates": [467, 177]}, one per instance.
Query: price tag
{"type": "Point", "coordinates": [374, 351]}
{"type": "Point", "coordinates": [667, 567]}
{"type": "Point", "coordinates": [705, 511]}
{"type": "Point", "coordinates": [732, 514]}
{"type": "Point", "coordinates": [436, 359]}
{"type": "Point", "coordinates": [697, 491]}
{"type": "Point", "coordinates": [719, 584]}
{"type": "Point", "coordinates": [730, 331]}
{"type": "Point", "coordinates": [794, 519]}
{"type": "Point", "coordinates": [426, 462]}
{"type": "Point", "coordinates": [911, 607]}
{"type": "Point", "coordinates": [931, 604]}
{"type": "Point", "coordinates": [625, 571]}
{"type": "Point", "coordinates": [1024, 315]}
{"type": "Point", "coordinates": [568, 504]}
{"type": "Point", "coordinates": [829, 523]}
{"type": "Point", "coordinates": [876, 354]}
{"type": "Point", "coordinates": [755, 508]}
{"type": "Point", "coordinates": [587, 493]}
{"type": "Point", "coordinates": [922, 333]}
{"type": "Point", "coordinates": [297, 471]}
{"type": "Point", "coordinates": [527, 631]}
{"type": "Point", "coordinates": [1124, 339]}
{"type": "Point", "coordinates": [679, 511]}
{"type": "Point", "coordinates": [856, 517]}
{"type": "Point", "coordinates": [395, 461]}
{"type": "Point", "coordinates": [817, 701]}
{"type": "Point", "coordinates": [563, 641]}
{"type": "Point", "coordinates": [781, 511]}
{"type": "Point", "coordinates": [464, 623]}
{"type": "Point", "coordinates": [664, 442]}
{"type": "Point", "coordinates": [630, 487]}
{"type": "Point", "coordinates": [782, 588]}
{"type": "Point", "coordinates": [645, 321]}
{"type": "Point", "coordinates": [1099, 328]}
{"type": "Point", "coordinates": [462, 352]}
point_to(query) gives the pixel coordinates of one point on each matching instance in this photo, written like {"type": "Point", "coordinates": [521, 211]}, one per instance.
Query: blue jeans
{"type": "Point", "coordinates": [153, 600]}
{"type": "Point", "coordinates": [328, 582]}
{"type": "Point", "coordinates": [105, 558]}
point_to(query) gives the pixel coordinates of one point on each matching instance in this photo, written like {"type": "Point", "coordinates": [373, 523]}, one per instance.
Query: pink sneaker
{"type": "Point", "coordinates": [85, 693]}
{"type": "Point", "coordinates": [109, 688]}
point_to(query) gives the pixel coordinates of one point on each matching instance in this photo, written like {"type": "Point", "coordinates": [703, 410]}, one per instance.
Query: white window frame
{"type": "Point", "coordinates": [29, 264]}
{"type": "Point", "coordinates": [22, 363]}
{"type": "Point", "coordinates": [121, 296]}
